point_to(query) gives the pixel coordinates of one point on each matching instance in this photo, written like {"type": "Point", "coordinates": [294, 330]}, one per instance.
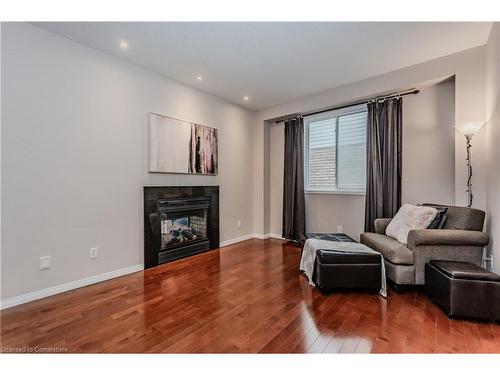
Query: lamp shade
{"type": "Point", "coordinates": [469, 128]}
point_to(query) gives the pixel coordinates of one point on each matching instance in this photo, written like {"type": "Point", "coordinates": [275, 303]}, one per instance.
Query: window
{"type": "Point", "coordinates": [335, 151]}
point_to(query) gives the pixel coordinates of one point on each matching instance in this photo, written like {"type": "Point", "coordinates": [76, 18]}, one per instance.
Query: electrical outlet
{"type": "Point", "coordinates": [238, 224]}
{"type": "Point", "coordinates": [45, 262]}
{"type": "Point", "coordinates": [93, 252]}
{"type": "Point", "coordinates": [339, 228]}
{"type": "Point", "coordinates": [488, 262]}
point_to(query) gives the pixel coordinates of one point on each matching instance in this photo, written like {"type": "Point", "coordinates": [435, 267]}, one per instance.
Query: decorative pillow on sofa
{"type": "Point", "coordinates": [409, 217]}
{"type": "Point", "coordinates": [441, 216]}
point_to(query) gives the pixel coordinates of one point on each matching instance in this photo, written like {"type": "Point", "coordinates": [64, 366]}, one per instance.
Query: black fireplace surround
{"type": "Point", "coordinates": [179, 221]}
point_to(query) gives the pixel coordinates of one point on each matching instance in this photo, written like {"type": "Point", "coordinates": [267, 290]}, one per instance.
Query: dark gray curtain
{"type": "Point", "coordinates": [294, 210]}
{"type": "Point", "coordinates": [383, 175]}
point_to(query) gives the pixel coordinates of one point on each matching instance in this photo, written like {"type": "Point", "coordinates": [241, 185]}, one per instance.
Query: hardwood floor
{"type": "Point", "coordinates": [249, 297]}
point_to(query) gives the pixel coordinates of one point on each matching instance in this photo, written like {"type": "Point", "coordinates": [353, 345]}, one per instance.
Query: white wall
{"type": "Point", "coordinates": [74, 157]}
{"type": "Point", "coordinates": [429, 145]}
{"type": "Point", "coordinates": [493, 135]}
{"type": "Point", "coordinates": [468, 67]}
{"type": "Point", "coordinates": [276, 164]}
{"type": "Point", "coordinates": [428, 165]}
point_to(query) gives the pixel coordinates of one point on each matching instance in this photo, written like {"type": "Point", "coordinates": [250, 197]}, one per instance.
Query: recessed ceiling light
{"type": "Point", "coordinates": [246, 98]}
{"type": "Point", "coordinates": [123, 44]}
{"type": "Point", "coordinates": [199, 78]}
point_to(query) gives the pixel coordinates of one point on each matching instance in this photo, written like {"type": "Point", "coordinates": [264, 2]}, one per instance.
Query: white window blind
{"type": "Point", "coordinates": [322, 152]}
{"type": "Point", "coordinates": [335, 151]}
{"type": "Point", "coordinates": [352, 151]}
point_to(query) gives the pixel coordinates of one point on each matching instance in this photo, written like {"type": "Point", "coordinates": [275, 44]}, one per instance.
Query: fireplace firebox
{"type": "Point", "coordinates": [183, 225]}
{"type": "Point", "coordinates": [179, 221]}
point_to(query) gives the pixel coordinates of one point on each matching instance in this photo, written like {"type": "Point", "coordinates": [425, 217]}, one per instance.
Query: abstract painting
{"type": "Point", "coordinates": [177, 146]}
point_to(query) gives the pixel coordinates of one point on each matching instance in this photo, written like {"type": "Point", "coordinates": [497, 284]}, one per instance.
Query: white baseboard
{"type": "Point", "coordinates": [24, 298]}
{"type": "Point", "coordinates": [269, 235]}
{"type": "Point", "coordinates": [259, 236]}
{"type": "Point", "coordinates": [236, 240]}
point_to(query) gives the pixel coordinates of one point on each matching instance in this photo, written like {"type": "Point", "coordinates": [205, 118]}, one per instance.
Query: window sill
{"type": "Point", "coordinates": [336, 192]}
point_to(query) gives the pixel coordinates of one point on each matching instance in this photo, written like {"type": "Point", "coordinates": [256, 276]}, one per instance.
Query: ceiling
{"type": "Point", "coordinates": [275, 62]}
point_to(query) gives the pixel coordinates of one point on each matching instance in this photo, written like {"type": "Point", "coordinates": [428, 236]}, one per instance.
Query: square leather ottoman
{"type": "Point", "coordinates": [337, 269]}
{"type": "Point", "coordinates": [463, 289]}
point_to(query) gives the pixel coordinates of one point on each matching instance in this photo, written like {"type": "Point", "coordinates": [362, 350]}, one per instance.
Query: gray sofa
{"type": "Point", "coordinates": [460, 239]}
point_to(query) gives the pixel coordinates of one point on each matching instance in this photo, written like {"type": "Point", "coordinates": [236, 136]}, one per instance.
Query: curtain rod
{"type": "Point", "coordinates": [390, 96]}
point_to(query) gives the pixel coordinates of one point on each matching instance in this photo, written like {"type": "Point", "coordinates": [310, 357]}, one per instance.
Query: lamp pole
{"type": "Point", "coordinates": [468, 145]}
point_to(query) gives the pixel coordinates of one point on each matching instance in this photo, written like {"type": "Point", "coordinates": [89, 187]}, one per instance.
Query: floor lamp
{"type": "Point", "coordinates": [468, 130]}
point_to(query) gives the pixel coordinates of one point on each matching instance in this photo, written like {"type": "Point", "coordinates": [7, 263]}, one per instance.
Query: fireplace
{"type": "Point", "coordinates": [183, 225]}
{"type": "Point", "coordinates": [179, 221]}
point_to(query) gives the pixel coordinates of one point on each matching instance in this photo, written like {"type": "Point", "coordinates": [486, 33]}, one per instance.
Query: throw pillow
{"type": "Point", "coordinates": [442, 214]}
{"type": "Point", "coordinates": [409, 217]}
{"type": "Point", "coordinates": [443, 220]}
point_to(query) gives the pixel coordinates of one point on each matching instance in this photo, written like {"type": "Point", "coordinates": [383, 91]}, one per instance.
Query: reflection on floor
{"type": "Point", "coordinates": [248, 297]}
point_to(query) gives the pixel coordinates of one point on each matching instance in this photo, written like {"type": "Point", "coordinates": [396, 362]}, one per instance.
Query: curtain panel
{"type": "Point", "coordinates": [384, 160]}
{"type": "Point", "coordinates": [294, 211]}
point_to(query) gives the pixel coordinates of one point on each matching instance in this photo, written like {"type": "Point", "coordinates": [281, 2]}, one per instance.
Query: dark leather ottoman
{"type": "Point", "coordinates": [463, 289]}
{"type": "Point", "coordinates": [337, 269]}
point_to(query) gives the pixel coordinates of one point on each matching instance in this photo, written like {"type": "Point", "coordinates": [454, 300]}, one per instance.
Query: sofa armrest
{"type": "Point", "coordinates": [446, 237]}
{"type": "Point", "coordinates": [445, 244]}
{"type": "Point", "coordinates": [381, 225]}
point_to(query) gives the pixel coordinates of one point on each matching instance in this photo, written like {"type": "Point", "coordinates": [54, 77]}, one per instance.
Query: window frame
{"type": "Point", "coordinates": [336, 113]}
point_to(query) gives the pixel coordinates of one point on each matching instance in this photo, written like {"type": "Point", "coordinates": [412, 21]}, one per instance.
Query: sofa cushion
{"type": "Point", "coordinates": [409, 217]}
{"type": "Point", "coordinates": [392, 250]}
